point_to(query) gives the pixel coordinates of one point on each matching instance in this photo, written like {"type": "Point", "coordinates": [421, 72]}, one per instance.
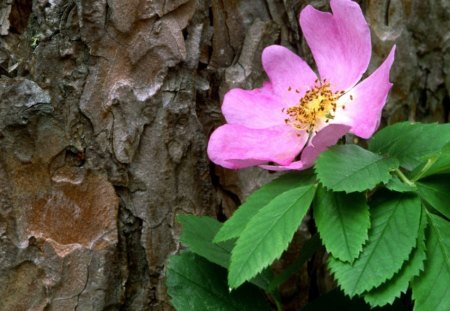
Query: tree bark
{"type": "Point", "coordinates": [105, 112]}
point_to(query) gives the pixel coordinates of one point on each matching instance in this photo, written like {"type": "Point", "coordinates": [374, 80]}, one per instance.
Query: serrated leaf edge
{"type": "Point", "coordinates": [266, 265]}
{"type": "Point", "coordinates": [419, 272]}
{"type": "Point", "coordinates": [360, 248]}
{"type": "Point", "coordinates": [333, 273]}
{"type": "Point", "coordinates": [218, 238]}
{"type": "Point", "coordinates": [446, 258]}
{"type": "Point", "coordinates": [384, 180]}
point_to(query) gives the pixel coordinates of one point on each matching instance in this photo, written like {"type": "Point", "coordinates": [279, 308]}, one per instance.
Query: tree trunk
{"type": "Point", "coordinates": [105, 112]}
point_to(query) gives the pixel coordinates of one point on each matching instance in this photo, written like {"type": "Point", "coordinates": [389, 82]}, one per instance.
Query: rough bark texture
{"type": "Point", "coordinates": [105, 111]}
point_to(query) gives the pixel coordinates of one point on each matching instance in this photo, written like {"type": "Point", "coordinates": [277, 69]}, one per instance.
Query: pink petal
{"type": "Point", "coordinates": [235, 146]}
{"type": "Point", "coordinates": [257, 108]}
{"type": "Point", "coordinates": [340, 42]}
{"type": "Point", "coordinates": [325, 138]}
{"type": "Point", "coordinates": [363, 111]}
{"type": "Point", "coordinates": [289, 74]}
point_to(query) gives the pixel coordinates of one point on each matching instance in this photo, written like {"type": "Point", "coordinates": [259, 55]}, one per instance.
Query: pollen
{"type": "Point", "coordinates": [317, 105]}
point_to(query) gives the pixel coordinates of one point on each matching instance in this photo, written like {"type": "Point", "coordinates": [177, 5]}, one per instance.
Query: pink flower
{"type": "Point", "coordinates": [295, 116]}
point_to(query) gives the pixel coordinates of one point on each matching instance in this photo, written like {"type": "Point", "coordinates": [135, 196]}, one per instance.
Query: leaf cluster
{"type": "Point", "coordinates": [381, 213]}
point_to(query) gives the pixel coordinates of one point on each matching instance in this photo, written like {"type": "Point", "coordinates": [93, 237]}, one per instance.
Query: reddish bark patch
{"type": "Point", "coordinates": [18, 18]}
{"type": "Point", "coordinates": [71, 213]}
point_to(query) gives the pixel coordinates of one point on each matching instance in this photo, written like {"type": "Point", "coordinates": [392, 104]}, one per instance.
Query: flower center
{"type": "Point", "coordinates": [318, 104]}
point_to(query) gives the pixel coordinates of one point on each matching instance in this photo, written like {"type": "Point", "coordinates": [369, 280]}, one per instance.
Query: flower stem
{"type": "Point", "coordinates": [405, 179]}
{"type": "Point", "coordinates": [425, 168]}
{"type": "Point", "coordinates": [279, 307]}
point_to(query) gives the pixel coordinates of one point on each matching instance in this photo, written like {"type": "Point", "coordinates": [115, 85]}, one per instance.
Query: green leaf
{"type": "Point", "coordinates": [386, 293]}
{"type": "Point", "coordinates": [431, 289]}
{"type": "Point", "coordinates": [409, 142]}
{"type": "Point", "coordinates": [351, 168]}
{"type": "Point", "coordinates": [392, 236]}
{"type": "Point", "coordinates": [395, 184]}
{"type": "Point", "coordinates": [343, 222]}
{"type": "Point", "coordinates": [198, 233]}
{"type": "Point", "coordinates": [435, 190]}
{"type": "Point", "coordinates": [268, 234]}
{"type": "Point", "coordinates": [196, 284]}
{"type": "Point", "coordinates": [438, 163]}
{"type": "Point", "coordinates": [310, 247]}
{"type": "Point", "coordinates": [257, 200]}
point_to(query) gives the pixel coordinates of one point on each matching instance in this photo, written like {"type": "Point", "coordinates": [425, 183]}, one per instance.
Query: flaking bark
{"type": "Point", "coordinates": [105, 111]}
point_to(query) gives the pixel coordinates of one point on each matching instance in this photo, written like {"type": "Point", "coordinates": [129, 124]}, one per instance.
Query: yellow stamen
{"type": "Point", "coordinates": [318, 104]}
